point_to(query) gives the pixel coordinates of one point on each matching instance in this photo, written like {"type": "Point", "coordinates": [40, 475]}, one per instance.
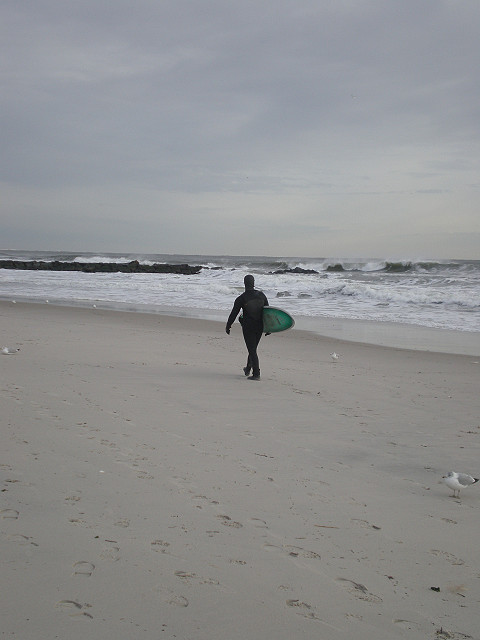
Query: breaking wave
{"type": "Point", "coordinates": [435, 293]}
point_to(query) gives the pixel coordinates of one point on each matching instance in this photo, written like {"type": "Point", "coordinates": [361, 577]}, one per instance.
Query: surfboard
{"type": "Point", "coordinates": [275, 320]}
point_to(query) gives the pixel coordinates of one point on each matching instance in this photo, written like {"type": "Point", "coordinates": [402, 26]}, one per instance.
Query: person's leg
{"type": "Point", "coordinates": [256, 370]}
{"type": "Point", "coordinates": [251, 340]}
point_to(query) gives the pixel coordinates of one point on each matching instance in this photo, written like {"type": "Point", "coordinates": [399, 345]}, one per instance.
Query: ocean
{"type": "Point", "coordinates": [438, 294]}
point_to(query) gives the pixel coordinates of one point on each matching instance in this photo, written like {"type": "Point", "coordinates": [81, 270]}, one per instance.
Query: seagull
{"type": "Point", "coordinates": [7, 351]}
{"type": "Point", "coordinates": [334, 356]}
{"type": "Point", "coordinates": [456, 481]}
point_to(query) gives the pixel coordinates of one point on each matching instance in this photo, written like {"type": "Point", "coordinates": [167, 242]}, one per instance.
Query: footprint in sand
{"type": "Point", "coordinates": [449, 557]}
{"type": "Point", "coordinates": [123, 522]}
{"type": "Point", "coordinates": [159, 546]}
{"type": "Point", "coordinates": [185, 575]}
{"type": "Point", "coordinates": [303, 609]}
{"type": "Point", "coordinates": [292, 551]}
{"type": "Point", "coordinates": [207, 499]}
{"type": "Point", "coordinates": [360, 591]}
{"type": "Point", "coordinates": [83, 568]}
{"type": "Point", "coordinates": [298, 551]}
{"type": "Point", "coordinates": [11, 514]}
{"type": "Point", "coordinates": [443, 634]}
{"type": "Point", "coordinates": [69, 605]}
{"type": "Point", "coordinates": [171, 597]}
{"type": "Point", "coordinates": [365, 524]}
{"type": "Point", "coordinates": [80, 522]}
{"type": "Point", "coordinates": [111, 552]}
{"type": "Point", "coordinates": [407, 625]}
{"type": "Point", "coordinates": [178, 601]}
{"type": "Point", "coordinates": [144, 475]}
{"type": "Point", "coordinates": [258, 523]}
{"type": "Point", "coordinates": [75, 609]}
{"type": "Point", "coordinates": [22, 540]}
{"type": "Point", "coordinates": [107, 443]}
{"type": "Point", "coordinates": [228, 522]}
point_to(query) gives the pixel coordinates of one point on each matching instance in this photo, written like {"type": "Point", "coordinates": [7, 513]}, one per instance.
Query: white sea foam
{"type": "Point", "coordinates": [433, 294]}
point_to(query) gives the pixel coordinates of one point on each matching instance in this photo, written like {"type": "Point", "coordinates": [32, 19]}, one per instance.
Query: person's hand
{"type": "Point", "coordinates": [227, 330]}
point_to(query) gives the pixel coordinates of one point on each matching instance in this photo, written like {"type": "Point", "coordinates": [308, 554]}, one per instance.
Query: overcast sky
{"type": "Point", "coordinates": [346, 128]}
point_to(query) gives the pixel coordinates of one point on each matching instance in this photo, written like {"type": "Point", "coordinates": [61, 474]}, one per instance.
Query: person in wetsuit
{"type": "Point", "coordinates": [251, 302]}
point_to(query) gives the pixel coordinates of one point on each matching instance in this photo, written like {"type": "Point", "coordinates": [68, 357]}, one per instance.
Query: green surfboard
{"type": "Point", "coordinates": [275, 320]}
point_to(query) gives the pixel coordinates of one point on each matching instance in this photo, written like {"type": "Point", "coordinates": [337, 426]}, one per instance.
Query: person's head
{"type": "Point", "coordinates": [249, 282]}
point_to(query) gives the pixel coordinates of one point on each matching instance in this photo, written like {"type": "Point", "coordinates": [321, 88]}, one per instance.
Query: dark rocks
{"type": "Point", "coordinates": [398, 267]}
{"type": "Point", "coordinates": [295, 270]}
{"type": "Point", "coordinates": [335, 268]}
{"type": "Point", "coordinates": [100, 267]}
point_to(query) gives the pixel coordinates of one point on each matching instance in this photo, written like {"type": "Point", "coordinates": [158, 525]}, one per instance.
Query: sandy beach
{"type": "Point", "coordinates": [149, 490]}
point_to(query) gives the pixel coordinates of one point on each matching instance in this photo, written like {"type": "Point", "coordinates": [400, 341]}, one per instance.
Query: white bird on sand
{"type": "Point", "coordinates": [457, 481]}
{"type": "Point", "coordinates": [7, 351]}
{"type": "Point", "coordinates": [334, 356]}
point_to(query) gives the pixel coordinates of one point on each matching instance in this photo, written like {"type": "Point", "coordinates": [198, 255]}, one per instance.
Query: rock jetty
{"type": "Point", "coordinates": [100, 267]}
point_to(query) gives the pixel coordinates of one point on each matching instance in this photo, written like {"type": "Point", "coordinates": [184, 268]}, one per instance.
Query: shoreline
{"type": "Point", "coordinates": [375, 333]}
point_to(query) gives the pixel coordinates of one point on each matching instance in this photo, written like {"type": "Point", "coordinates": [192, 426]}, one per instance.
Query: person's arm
{"type": "Point", "coordinates": [266, 305]}
{"type": "Point", "coordinates": [237, 305]}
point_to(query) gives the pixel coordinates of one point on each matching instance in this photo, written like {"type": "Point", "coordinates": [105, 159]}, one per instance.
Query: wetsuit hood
{"type": "Point", "coordinates": [249, 282]}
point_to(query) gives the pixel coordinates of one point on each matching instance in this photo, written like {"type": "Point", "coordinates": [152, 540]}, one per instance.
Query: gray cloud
{"type": "Point", "coordinates": [189, 124]}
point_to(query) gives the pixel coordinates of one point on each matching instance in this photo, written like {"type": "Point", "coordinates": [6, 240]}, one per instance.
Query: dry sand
{"type": "Point", "coordinates": [150, 491]}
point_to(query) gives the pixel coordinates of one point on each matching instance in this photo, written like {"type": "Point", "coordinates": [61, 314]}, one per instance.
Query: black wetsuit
{"type": "Point", "coordinates": [251, 302]}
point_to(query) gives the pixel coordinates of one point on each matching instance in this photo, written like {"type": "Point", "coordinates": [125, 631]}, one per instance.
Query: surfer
{"type": "Point", "coordinates": [251, 302]}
